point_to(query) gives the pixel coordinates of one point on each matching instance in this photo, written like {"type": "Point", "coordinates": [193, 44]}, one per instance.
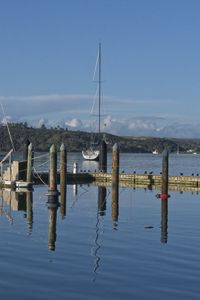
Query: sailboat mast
{"type": "Point", "coordinates": [99, 82]}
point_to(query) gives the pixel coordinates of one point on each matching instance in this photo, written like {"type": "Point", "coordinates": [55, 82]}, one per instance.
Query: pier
{"type": "Point", "coordinates": [23, 174]}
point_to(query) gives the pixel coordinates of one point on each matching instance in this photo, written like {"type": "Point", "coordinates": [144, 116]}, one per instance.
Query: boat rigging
{"type": "Point", "coordinates": [92, 153]}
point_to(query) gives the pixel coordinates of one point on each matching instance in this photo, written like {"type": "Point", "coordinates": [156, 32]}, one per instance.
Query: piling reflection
{"type": "Point", "coordinates": [53, 205]}
{"type": "Point", "coordinates": [102, 200]}
{"type": "Point", "coordinates": [164, 220]}
{"type": "Point", "coordinates": [63, 201]}
{"type": "Point", "coordinates": [29, 211]}
{"type": "Point", "coordinates": [115, 205]}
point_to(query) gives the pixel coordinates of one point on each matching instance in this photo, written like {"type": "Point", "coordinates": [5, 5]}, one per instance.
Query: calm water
{"type": "Point", "coordinates": [184, 163]}
{"type": "Point", "coordinates": [139, 248]}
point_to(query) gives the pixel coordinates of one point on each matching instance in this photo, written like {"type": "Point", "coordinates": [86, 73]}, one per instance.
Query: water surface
{"type": "Point", "coordinates": [99, 248]}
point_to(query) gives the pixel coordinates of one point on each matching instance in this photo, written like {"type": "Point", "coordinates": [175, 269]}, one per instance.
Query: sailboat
{"type": "Point", "coordinates": [155, 151]}
{"type": "Point", "coordinates": [92, 153]}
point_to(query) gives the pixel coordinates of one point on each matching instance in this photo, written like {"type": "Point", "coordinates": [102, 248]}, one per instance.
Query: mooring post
{"type": "Point", "coordinates": [115, 166]}
{"type": "Point", "coordinates": [63, 179]}
{"type": "Point", "coordinates": [115, 183]}
{"type": "Point", "coordinates": [103, 157]}
{"type": "Point", "coordinates": [63, 164]}
{"type": "Point", "coordinates": [29, 172]}
{"type": "Point", "coordinates": [53, 171]}
{"type": "Point", "coordinates": [165, 168]}
{"type": "Point", "coordinates": [25, 150]}
{"type": "Point", "coordinates": [52, 197]}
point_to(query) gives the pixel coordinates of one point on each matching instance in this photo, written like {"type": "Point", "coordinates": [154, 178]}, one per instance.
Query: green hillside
{"type": "Point", "coordinates": [42, 138]}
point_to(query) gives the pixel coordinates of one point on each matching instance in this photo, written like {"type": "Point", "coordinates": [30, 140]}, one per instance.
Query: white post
{"type": "Point", "coordinates": [75, 168]}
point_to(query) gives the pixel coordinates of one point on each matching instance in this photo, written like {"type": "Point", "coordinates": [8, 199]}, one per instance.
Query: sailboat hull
{"type": "Point", "coordinates": [91, 154]}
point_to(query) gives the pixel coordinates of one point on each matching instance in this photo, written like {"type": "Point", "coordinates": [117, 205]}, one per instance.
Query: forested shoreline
{"type": "Point", "coordinates": [75, 141]}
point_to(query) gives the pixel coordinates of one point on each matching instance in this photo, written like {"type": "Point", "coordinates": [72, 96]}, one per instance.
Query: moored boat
{"type": "Point", "coordinates": [93, 152]}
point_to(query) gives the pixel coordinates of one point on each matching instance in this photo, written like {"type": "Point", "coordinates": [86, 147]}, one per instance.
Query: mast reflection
{"type": "Point", "coordinates": [101, 211]}
{"type": "Point", "coordinates": [97, 246]}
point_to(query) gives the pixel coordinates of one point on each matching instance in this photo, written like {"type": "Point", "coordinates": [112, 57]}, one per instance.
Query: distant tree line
{"type": "Point", "coordinates": [42, 138]}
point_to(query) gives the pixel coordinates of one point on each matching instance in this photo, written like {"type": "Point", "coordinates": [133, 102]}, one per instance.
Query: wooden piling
{"type": "Point", "coordinates": [53, 170]}
{"type": "Point", "coordinates": [63, 180]}
{"type": "Point", "coordinates": [103, 157]}
{"type": "Point", "coordinates": [25, 149]}
{"type": "Point", "coordinates": [29, 172]}
{"type": "Point", "coordinates": [63, 164]}
{"type": "Point", "coordinates": [165, 168]}
{"type": "Point", "coordinates": [115, 166]}
{"type": "Point", "coordinates": [115, 183]}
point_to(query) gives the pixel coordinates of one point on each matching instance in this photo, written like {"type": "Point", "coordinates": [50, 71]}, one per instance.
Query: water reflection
{"type": "Point", "coordinates": [115, 205]}
{"type": "Point", "coordinates": [63, 201]}
{"type": "Point", "coordinates": [97, 246]}
{"type": "Point", "coordinates": [53, 205]}
{"type": "Point", "coordinates": [102, 200]}
{"type": "Point", "coordinates": [164, 220]}
{"type": "Point", "coordinates": [23, 201]}
{"type": "Point", "coordinates": [18, 200]}
{"type": "Point", "coordinates": [75, 190]}
{"type": "Point", "coordinates": [89, 165]}
{"type": "Point", "coordinates": [29, 210]}
{"type": "Point", "coordinates": [6, 210]}
{"type": "Point", "coordinates": [15, 200]}
{"type": "Point", "coordinates": [101, 211]}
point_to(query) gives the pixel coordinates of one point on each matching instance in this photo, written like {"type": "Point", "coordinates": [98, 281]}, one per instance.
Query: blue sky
{"type": "Point", "coordinates": [150, 54]}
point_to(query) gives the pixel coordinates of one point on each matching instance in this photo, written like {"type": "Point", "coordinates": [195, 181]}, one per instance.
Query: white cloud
{"type": "Point", "coordinates": [144, 126]}
{"type": "Point", "coordinates": [73, 111]}
{"type": "Point", "coordinates": [45, 98]}
{"type": "Point", "coordinates": [6, 119]}
{"type": "Point", "coordinates": [74, 124]}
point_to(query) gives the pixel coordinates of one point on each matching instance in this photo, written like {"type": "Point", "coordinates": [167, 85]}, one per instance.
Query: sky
{"type": "Point", "coordinates": [150, 64]}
